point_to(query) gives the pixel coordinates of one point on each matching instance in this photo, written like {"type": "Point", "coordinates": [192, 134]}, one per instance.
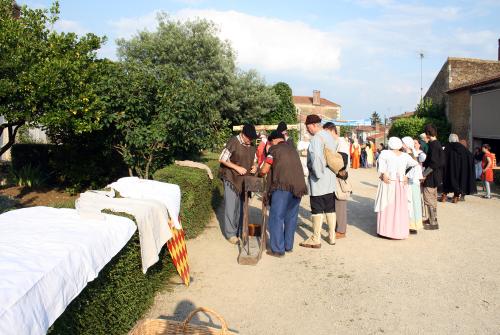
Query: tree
{"type": "Point", "coordinates": [375, 119]}
{"type": "Point", "coordinates": [46, 77]}
{"type": "Point", "coordinates": [285, 110]}
{"type": "Point", "coordinates": [253, 99]}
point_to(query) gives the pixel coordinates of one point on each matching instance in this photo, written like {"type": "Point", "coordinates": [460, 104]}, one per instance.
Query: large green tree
{"type": "Point", "coordinates": [46, 77]}
{"type": "Point", "coordinates": [285, 109]}
{"type": "Point", "coordinates": [375, 119]}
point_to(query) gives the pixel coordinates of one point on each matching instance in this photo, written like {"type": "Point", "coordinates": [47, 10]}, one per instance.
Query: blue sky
{"type": "Point", "coordinates": [361, 54]}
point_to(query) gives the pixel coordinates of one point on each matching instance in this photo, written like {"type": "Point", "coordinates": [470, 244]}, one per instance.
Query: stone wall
{"type": "Point", "coordinates": [459, 113]}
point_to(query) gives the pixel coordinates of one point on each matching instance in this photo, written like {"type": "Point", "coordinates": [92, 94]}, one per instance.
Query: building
{"type": "Point", "coordinates": [462, 82]}
{"type": "Point", "coordinates": [325, 108]}
{"type": "Point", "coordinates": [401, 116]}
{"type": "Point", "coordinates": [376, 134]}
{"type": "Point", "coordinates": [474, 112]}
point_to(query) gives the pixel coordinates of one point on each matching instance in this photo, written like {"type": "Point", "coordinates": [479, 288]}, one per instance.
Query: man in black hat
{"type": "Point", "coordinates": [286, 186]}
{"type": "Point", "coordinates": [236, 160]}
{"type": "Point", "coordinates": [283, 129]}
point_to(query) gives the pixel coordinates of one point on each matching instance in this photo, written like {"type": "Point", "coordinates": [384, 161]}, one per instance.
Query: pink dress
{"type": "Point", "coordinates": [391, 204]}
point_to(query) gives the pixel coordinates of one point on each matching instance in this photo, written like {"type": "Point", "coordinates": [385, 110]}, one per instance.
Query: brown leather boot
{"type": "Point", "coordinates": [444, 197]}
{"type": "Point", "coordinates": [455, 200]}
{"type": "Point", "coordinates": [339, 235]}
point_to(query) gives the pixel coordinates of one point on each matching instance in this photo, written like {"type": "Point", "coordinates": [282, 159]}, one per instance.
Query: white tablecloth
{"type": "Point", "coordinates": [167, 194]}
{"type": "Point", "coordinates": [47, 257]}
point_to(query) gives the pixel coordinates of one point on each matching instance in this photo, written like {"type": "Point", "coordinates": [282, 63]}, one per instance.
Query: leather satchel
{"type": "Point", "coordinates": [343, 190]}
{"type": "Point", "coordinates": [333, 159]}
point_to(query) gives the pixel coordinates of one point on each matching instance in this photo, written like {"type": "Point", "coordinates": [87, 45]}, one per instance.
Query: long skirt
{"type": "Point", "coordinates": [392, 207]}
{"type": "Point", "coordinates": [415, 206]}
{"type": "Point", "coordinates": [355, 160]}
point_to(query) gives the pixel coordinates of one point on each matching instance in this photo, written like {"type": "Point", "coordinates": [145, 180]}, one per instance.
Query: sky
{"type": "Point", "coordinates": [361, 54]}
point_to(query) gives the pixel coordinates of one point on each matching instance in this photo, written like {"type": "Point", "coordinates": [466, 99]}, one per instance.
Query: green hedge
{"type": "Point", "coordinates": [414, 126]}
{"type": "Point", "coordinates": [200, 195]}
{"type": "Point", "coordinates": [72, 166]}
{"type": "Point", "coordinates": [121, 294]}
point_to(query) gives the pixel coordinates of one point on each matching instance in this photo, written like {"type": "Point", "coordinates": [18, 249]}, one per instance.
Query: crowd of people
{"type": "Point", "coordinates": [411, 173]}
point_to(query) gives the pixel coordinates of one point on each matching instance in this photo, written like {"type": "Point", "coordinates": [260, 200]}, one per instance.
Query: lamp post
{"type": "Point", "coordinates": [421, 54]}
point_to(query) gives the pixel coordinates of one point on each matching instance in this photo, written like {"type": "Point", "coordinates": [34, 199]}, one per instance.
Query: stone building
{"type": "Point", "coordinates": [325, 108]}
{"type": "Point", "coordinates": [474, 112]}
{"type": "Point", "coordinates": [454, 85]}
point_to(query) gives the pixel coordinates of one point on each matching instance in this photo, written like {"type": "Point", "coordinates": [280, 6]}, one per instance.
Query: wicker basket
{"type": "Point", "coordinates": [167, 327]}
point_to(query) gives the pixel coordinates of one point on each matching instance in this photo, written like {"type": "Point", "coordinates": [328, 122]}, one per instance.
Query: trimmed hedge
{"type": "Point", "coordinates": [121, 294]}
{"type": "Point", "coordinates": [199, 195]}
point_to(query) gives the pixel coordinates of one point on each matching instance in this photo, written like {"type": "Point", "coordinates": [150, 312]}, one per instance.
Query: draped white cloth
{"type": "Point", "coordinates": [47, 257]}
{"type": "Point", "coordinates": [167, 194]}
{"type": "Point", "coordinates": [151, 217]}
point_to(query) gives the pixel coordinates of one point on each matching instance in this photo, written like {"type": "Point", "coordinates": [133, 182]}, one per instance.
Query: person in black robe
{"type": "Point", "coordinates": [459, 172]}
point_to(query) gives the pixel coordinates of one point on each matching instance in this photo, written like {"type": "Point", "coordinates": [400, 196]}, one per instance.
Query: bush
{"type": "Point", "coordinates": [73, 166]}
{"type": "Point", "coordinates": [414, 126]}
{"type": "Point", "coordinates": [118, 297]}
{"type": "Point", "coordinates": [29, 176]}
{"type": "Point", "coordinates": [199, 195]}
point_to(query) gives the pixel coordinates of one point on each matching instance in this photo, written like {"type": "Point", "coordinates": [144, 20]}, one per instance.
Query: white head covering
{"type": "Point", "coordinates": [395, 143]}
{"type": "Point", "coordinates": [408, 141]}
{"type": "Point", "coordinates": [453, 138]}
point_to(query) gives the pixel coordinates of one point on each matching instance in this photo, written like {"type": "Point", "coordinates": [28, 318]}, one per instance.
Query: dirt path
{"type": "Point", "coordinates": [438, 282]}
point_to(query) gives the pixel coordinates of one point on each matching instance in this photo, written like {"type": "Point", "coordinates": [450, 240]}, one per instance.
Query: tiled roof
{"type": "Point", "coordinates": [478, 83]}
{"type": "Point", "coordinates": [302, 100]}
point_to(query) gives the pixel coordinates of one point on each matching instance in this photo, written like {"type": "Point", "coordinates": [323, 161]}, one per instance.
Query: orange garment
{"type": "Point", "coordinates": [355, 154]}
{"type": "Point", "coordinates": [488, 174]}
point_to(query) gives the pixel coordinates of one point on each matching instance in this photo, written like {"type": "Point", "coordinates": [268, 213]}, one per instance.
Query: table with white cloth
{"type": "Point", "coordinates": [47, 257]}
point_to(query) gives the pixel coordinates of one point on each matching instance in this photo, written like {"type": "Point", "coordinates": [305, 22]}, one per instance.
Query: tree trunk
{"type": "Point", "coordinates": [12, 129]}
{"type": "Point", "coordinates": [148, 164]}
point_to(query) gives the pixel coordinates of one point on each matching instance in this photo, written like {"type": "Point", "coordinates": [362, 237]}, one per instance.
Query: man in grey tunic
{"type": "Point", "coordinates": [322, 182]}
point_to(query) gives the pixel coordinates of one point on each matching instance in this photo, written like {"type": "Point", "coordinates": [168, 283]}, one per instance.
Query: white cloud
{"type": "Point", "coordinates": [70, 26]}
{"type": "Point", "coordinates": [268, 44]}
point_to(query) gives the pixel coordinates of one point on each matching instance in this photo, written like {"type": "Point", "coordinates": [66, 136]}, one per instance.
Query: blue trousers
{"type": "Point", "coordinates": [283, 220]}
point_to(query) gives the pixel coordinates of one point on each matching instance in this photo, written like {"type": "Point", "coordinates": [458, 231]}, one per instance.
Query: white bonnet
{"type": "Point", "coordinates": [395, 143]}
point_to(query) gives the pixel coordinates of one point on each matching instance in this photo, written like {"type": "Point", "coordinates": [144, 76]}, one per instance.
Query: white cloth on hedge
{"type": "Point", "coordinates": [167, 194]}
{"type": "Point", "coordinates": [151, 217]}
{"type": "Point", "coordinates": [47, 257]}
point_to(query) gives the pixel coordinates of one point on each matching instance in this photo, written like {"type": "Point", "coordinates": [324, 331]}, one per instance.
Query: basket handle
{"type": "Point", "coordinates": [209, 311]}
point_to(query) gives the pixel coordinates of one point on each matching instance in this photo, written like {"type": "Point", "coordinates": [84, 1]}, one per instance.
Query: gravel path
{"type": "Point", "coordinates": [438, 282]}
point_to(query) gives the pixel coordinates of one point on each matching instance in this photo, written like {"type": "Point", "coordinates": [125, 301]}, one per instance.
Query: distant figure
{"type": "Point", "coordinates": [355, 154]}
{"type": "Point", "coordinates": [283, 129]}
{"type": "Point", "coordinates": [478, 161]}
{"type": "Point", "coordinates": [433, 173]}
{"type": "Point", "coordinates": [424, 143]}
{"type": "Point", "coordinates": [414, 176]}
{"type": "Point", "coordinates": [487, 176]}
{"type": "Point", "coordinates": [363, 155]}
{"type": "Point", "coordinates": [391, 204]}
{"type": "Point", "coordinates": [458, 172]}
{"type": "Point", "coordinates": [369, 155]}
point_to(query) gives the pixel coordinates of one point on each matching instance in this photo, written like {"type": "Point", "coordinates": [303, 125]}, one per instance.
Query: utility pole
{"type": "Point", "coordinates": [421, 54]}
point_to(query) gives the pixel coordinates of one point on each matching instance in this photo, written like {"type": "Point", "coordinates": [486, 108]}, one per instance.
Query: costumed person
{"type": "Point", "coordinates": [458, 171]}
{"type": "Point", "coordinates": [283, 129]}
{"type": "Point", "coordinates": [421, 156]}
{"type": "Point", "coordinates": [369, 155]}
{"type": "Point", "coordinates": [414, 176]}
{"type": "Point", "coordinates": [286, 187]}
{"type": "Point", "coordinates": [433, 175]}
{"type": "Point", "coordinates": [478, 162]}
{"type": "Point", "coordinates": [322, 182]}
{"type": "Point", "coordinates": [340, 201]}
{"type": "Point", "coordinates": [261, 149]}
{"type": "Point", "coordinates": [424, 142]}
{"type": "Point", "coordinates": [236, 160]}
{"type": "Point", "coordinates": [363, 155]}
{"type": "Point", "coordinates": [487, 176]}
{"type": "Point", "coordinates": [355, 154]}
{"type": "Point", "coordinates": [391, 204]}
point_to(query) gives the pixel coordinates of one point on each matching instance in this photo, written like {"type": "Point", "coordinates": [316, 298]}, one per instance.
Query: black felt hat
{"type": "Point", "coordinates": [281, 127]}
{"type": "Point", "coordinates": [249, 131]}
{"type": "Point", "coordinates": [313, 118]}
{"type": "Point", "coordinates": [274, 135]}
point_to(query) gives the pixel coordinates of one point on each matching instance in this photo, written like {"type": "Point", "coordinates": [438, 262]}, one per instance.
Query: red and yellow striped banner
{"type": "Point", "coordinates": [178, 251]}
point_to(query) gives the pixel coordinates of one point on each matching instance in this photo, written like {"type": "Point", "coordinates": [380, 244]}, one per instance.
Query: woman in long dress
{"type": "Point", "coordinates": [414, 176]}
{"type": "Point", "coordinates": [369, 155]}
{"type": "Point", "coordinates": [391, 204]}
{"type": "Point", "coordinates": [355, 153]}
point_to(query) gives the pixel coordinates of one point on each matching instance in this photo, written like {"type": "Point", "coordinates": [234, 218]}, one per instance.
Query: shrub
{"type": "Point", "coordinates": [118, 297]}
{"type": "Point", "coordinates": [30, 176]}
{"type": "Point", "coordinates": [73, 166]}
{"type": "Point", "coordinates": [196, 190]}
{"type": "Point", "coordinates": [413, 126]}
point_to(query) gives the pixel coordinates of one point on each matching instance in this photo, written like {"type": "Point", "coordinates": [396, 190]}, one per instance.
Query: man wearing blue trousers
{"type": "Point", "coordinates": [286, 186]}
